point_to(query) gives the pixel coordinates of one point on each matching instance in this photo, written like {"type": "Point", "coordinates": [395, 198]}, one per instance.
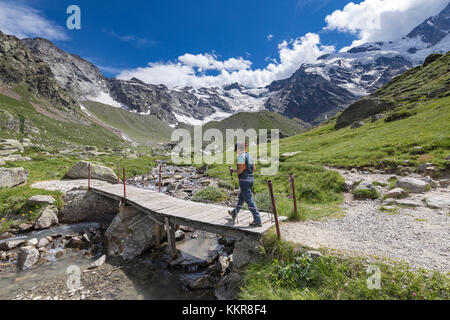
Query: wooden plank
{"type": "Point", "coordinates": [212, 218]}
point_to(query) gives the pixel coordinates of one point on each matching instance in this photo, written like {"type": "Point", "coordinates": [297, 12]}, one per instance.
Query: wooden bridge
{"type": "Point", "coordinates": [169, 211]}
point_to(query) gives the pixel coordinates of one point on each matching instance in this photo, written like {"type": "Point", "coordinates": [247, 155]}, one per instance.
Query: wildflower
{"type": "Point", "coordinates": [414, 294]}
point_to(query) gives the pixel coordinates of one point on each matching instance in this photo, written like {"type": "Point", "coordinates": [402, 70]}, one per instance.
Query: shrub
{"type": "Point", "coordinates": [209, 194]}
{"type": "Point", "coordinates": [365, 194]}
{"type": "Point", "coordinates": [284, 204]}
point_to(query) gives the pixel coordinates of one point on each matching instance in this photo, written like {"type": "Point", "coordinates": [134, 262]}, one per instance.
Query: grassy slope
{"type": "Point", "coordinates": [259, 120]}
{"type": "Point", "coordinates": [143, 129]}
{"type": "Point", "coordinates": [381, 143]}
{"type": "Point", "coordinates": [53, 132]}
{"type": "Point", "coordinates": [287, 273]}
{"type": "Point", "coordinates": [256, 120]}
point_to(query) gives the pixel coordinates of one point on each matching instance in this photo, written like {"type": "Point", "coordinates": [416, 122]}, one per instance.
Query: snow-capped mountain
{"type": "Point", "coordinates": [313, 93]}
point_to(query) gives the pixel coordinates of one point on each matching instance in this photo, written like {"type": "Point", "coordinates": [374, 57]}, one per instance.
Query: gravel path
{"type": "Point", "coordinates": [418, 235]}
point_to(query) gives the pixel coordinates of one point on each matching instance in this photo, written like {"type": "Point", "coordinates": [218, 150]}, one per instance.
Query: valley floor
{"type": "Point", "coordinates": [415, 234]}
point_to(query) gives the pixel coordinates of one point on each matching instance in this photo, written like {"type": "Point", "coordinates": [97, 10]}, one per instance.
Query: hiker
{"type": "Point", "coordinates": [245, 169]}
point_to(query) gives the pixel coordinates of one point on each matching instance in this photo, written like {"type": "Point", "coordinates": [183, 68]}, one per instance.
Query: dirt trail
{"type": "Point", "coordinates": [418, 235]}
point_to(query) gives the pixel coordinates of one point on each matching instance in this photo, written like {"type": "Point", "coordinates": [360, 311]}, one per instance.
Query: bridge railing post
{"type": "Point", "coordinates": [124, 185]}
{"type": "Point", "coordinates": [157, 236]}
{"type": "Point", "coordinates": [274, 209]}
{"type": "Point", "coordinates": [291, 177]}
{"type": "Point", "coordinates": [159, 178]}
{"type": "Point", "coordinates": [89, 176]}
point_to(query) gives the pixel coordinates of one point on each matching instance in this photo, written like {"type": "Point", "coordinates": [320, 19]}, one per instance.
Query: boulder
{"type": "Point", "coordinates": [412, 185]}
{"type": "Point", "coordinates": [357, 124]}
{"type": "Point", "coordinates": [179, 235]}
{"type": "Point", "coordinates": [48, 217]}
{"type": "Point", "coordinates": [40, 199]}
{"type": "Point", "coordinates": [396, 193]}
{"type": "Point", "coordinates": [27, 258]}
{"type": "Point", "coordinates": [431, 182]}
{"type": "Point", "coordinates": [365, 185]}
{"type": "Point", "coordinates": [437, 202]}
{"type": "Point", "coordinates": [11, 244]}
{"type": "Point", "coordinates": [348, 185]}
{"type": "Point", "coordinates": [76, 243]}
{"type": "Point", "coordinates": [33, 242]}
{"type": "Point", "coordinates": [408, 203]}
{"type": "Point", "coordinates": [25, 226]}
{"type": "Point", "coordinates": [43, 242]}
{"type": "Point", "coordinates": [378, 116]}
{"type": "Point", "coordinates": [130, 233]}
{"type": "Point", "coordinates": [86, 206]}
{"type": "Point", "coordinates": [11, 177]}
{"type": "Point", "coordinates": [290, 154]}
{"type": "Point", "coordinates": [10, 146]}
{"type": "Point", "coordinates": [362, 109]}
{"type": "Point", "coordinates": [6, 235]}
{"type": "Point", "coordinates": [80, 171]}
{"type": "Point", "coordinates": [16, 157]}
{"type": "Point", "coordinates": [98, 263]}
{"type": "Point", "coordinates": [444, 183]}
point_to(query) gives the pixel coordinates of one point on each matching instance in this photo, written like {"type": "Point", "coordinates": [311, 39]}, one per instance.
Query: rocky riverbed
{"type": "Point", "coordinates": [203, 259]}
{"type": "Point", "coordinates": [37, 264]}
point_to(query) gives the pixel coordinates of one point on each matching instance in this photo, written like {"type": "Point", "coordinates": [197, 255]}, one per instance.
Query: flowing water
{"type": "Point", "coordinates": [146, 277]}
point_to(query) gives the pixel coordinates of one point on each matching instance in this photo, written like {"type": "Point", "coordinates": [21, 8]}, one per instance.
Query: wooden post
{"type": "Point", "coordinates": [291, 176]}
{"type": "Point", "coordinates": [157, 240]}
{"type": "Point", "coordinates": [124, 185]}
{"type": "Point", "coordinates": [170, 229]}
{"type": "Point", "coordinates": [89, 176]}
{"type": "Point", "coordinates": [159, 177]}
{"type": "Point", "coordinates": [274, 208]}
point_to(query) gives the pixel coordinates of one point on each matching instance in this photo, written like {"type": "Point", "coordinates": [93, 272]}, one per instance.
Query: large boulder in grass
{"type": "Point", "coordinates": [10, 146]}
{"type": "Point", "coordinates": [11, 177]}
{"type": "Point", "coordinates": [99, 172]}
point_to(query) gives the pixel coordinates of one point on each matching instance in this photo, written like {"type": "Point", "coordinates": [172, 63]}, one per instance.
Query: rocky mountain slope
{"type": "Point", "coordinates": [428, 81]}
{"type": "Point", "coordinates": [19, 66]}
{"type": "Point", "coordinates": [313, 93]}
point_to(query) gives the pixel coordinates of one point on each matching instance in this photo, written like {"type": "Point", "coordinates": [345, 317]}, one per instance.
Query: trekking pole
{"type": "Point", "coordinates": [232, 191]}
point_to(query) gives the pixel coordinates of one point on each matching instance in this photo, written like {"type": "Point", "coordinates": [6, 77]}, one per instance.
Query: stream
{"type": "Point", "coordinates": [153, 275]}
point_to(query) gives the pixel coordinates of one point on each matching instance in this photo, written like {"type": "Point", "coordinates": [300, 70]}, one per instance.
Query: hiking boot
{"type": "Point", "coordinates": [232, 215]}
{"type": "Point", "coordinates": [255, 224]}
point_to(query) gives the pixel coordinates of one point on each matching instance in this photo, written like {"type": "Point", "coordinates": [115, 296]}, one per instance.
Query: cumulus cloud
{"type": "Point", "coordinates": [25, 22]}
{"type": "Point", "coordinates": [190, 69]}
{"type": "Point", "coordinates": [382, 20]}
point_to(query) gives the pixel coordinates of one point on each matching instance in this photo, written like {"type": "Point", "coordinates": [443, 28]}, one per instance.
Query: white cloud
{"type": "Point", "coordinates": [24, 22]}
{"type": "Point", "coordinates": [189, 69]}
{"type": "Point", "coordinates": [382, 20]}
{"type": "Point", "coordinates": [269, 36]}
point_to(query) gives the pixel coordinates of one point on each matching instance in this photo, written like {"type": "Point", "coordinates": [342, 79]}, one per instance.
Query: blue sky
{"type": "Point", "coordinates": [123, 37]}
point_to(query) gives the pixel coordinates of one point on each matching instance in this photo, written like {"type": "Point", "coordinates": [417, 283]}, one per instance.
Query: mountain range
{"type": "Point", "coordinates": [315, 92]}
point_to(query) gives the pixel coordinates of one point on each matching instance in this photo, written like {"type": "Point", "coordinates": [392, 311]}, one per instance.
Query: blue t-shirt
{"type": "Point", "coordinates": [246, 159]}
